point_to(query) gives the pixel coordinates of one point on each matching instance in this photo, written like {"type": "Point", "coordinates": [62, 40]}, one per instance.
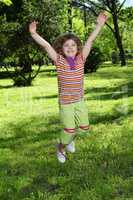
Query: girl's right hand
{"type": "Point", "coordinates": [33, 26]}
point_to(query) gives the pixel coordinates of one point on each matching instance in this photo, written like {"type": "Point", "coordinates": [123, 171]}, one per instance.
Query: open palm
{"type": "Point", "coordinates": [102, 18]}
{"type": "Point", "coordinates": [33, 26]}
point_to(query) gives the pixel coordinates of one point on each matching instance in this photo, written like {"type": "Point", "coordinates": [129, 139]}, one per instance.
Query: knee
{"type": "Point", "coordinates": [69, 130]}
{"type": "Point", "coordinates": [84, 127]}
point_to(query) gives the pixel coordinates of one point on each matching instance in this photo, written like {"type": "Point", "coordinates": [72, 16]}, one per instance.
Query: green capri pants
{"type": "Point", "coordinates": [74, 121]}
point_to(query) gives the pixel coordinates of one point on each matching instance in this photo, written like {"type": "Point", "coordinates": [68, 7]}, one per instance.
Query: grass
{"type": "Point", "coordinates": [101, 168]}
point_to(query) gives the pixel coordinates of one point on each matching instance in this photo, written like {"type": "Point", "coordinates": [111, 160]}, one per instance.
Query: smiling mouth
{"type": "Point", "coordinates": [70, 51]}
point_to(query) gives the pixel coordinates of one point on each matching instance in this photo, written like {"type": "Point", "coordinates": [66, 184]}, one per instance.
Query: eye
{"type": "Point", "coordinates": [73, 44]}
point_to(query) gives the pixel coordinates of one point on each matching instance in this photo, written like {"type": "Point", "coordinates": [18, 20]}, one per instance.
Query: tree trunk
{"type": "Point", "coordinates": [118, 39]}
{"type": "Point", "coordinates": [69, 16]}
{"type": "Point", "coordinates": [26, 67]}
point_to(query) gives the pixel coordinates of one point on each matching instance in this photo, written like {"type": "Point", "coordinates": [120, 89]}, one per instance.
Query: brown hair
{"type": "Point", "coordinates": [60, 40]}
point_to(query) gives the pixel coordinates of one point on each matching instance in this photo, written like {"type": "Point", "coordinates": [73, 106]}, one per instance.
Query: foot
{"type": "Point", "coordinates": [61, 154]}
{"type": "Point", "coordinates": [71, 147]}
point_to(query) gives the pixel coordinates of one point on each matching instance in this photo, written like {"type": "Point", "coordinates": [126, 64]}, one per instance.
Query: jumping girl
{"type": "Point", "coordinates": [69, 57]}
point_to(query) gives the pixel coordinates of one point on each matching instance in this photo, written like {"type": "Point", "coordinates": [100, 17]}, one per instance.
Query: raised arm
{"type": "Point", "coordinates": [42, 42]}
{"type": "Point", "coordinates": [102, 18]}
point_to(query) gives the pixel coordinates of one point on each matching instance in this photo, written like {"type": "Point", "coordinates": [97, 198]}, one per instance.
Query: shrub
{"type": "Point", "coordinates": [21, 81]}
{"type": "Point", "coordinates": [93, 60]}
{"type": "Point", "coordinates": [20, 77]}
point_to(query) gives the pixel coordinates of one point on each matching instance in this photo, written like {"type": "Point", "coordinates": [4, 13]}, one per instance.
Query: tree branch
{"type": "Point", "coordinates": [10, 74]}
{"type": "Point", "coordinates": [110, 27]}
{"type": "Point", "coordinates": [96, 14]}
{"type": "Point", "coordinates": [36, 72]}
{"type": "Point", "coordinates": [98, 6]}
{"type": "Point", "coordinates": [121, 6]}
{"type": "Point", "coordinates": [106, 2]}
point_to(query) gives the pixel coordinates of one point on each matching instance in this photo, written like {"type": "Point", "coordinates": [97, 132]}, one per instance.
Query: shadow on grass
{"type": "Point", "coordinates": [123, 90]}
{"type": "Point", "coordinates": [46, 97]}
{"type": "Point", "coordinates": [5, 74]}
{"type": "Point", "coordinates": [32, 130]}
{"type": "Point", "coordinates": [6, 86]}
{"type": "Point", "coordinates": [114, 117]}
{"type": "Point", "coordinates": [88, 168]}
{"type": "Point", "coordinates": [41, 128]}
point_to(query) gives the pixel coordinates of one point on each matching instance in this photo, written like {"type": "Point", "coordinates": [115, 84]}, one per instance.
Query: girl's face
{"type": "Point", "coordinates": [70, 48]}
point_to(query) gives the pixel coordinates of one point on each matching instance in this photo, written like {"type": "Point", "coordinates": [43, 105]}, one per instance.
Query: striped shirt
{"type": "Point", "coordinates": [70, 80]}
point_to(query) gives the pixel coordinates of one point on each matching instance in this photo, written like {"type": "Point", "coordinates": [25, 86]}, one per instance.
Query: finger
{"type": "Point", "coordinates": [106, 17]}
{"type": "Point", "coordinates": [102, 12]}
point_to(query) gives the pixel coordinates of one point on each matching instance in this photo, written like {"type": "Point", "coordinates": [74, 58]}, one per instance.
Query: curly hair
{"type": "Point", "coordinates": [60, 40]}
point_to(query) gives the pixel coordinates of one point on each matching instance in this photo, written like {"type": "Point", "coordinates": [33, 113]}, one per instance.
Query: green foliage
{"type": "Point", "coordinates": [18, 37]}
{"type": "Point", "coordinates": [21, 78]}
{"type": "Point", "coordinates": [7, 2]}
{"type": "Point", "coordinates": [18, 48]}
{"type": "Point", "coordinates": [126, 25]}
{"type": "Point", "coordinates": [106, 43]}
{"type": "Point", "coordinates": [109, 4]}
{"type": "Point", "coordinates": [78, 28]}
{"type": "Point", "coordinates": [93, 61]}
{"type": "Point", "coordinates": [17, 43]}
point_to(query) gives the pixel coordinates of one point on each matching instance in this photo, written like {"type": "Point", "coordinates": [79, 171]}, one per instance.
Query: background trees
{"type": "Point", "coordinates": [18, 49]}
{"type": "Point", "coordinates": [7, 2]}
{"type": "Point", "coordinates": [17, 46]}
{"type": "Point", "coordinates": [113, 7]}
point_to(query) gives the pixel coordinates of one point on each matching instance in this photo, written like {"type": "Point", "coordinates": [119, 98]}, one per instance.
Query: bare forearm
{"type": "Point", "coordinates": [88, 45]}
{"type": "Point", "coordinates": [100, 23]}
{"type": "Point", "coordinates": [94, 34]}
{"type": "Point", "coordinates": [42, 42]}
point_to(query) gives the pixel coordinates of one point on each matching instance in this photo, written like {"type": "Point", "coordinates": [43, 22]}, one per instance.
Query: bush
{"type": "Point", "coordinates": [21, 81]}
{"type": "Point", "coordinates": [21, 78]}
{"type": "Point", "coordinates": [24, 79]}
{"type": "Point", "coordinates": [93, 60]}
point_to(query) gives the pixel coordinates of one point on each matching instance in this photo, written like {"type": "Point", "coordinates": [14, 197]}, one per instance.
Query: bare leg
{"type": "Point", "coordinates": [61, 147]}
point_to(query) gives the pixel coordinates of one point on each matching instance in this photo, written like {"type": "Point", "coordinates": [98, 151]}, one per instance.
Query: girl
{"type": "Point", "coordinates": [69, 58]}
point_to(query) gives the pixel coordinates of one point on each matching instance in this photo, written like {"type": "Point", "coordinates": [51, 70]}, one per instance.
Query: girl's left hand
{"type": "Point", "coordinates": [102, 18]}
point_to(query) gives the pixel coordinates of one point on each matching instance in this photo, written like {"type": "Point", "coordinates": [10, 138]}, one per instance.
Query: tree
{"type": "Point", "coordinates": [113, 7]}
{"type": "Point", "coordinates": [17, 45]}
{"type": "Point", "coordinates": [126, 19]}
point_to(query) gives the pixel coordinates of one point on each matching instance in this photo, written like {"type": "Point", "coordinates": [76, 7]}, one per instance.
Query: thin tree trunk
{"type": "Point", "coordinates": [118, 39]}
{"type": "Point", "coordinates": [69, 16]}
{"type": "Point", "coordinates": [26, 68]}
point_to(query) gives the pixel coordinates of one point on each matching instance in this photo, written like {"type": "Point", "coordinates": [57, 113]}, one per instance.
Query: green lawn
{"type": "Point", "coordinates": [101, 168]}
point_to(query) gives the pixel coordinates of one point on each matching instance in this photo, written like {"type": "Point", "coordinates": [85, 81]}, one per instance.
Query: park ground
{"type": "Point", "coordinates": [101, 168]}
